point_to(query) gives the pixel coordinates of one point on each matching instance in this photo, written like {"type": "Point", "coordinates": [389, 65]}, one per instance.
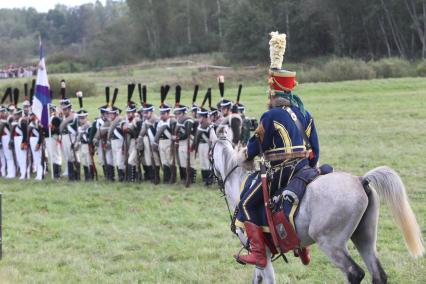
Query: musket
{"type": "Point", "coordinates": [175, 145]}
{"type": "Point", "coordinates": [102, 144]}
{"type": "Point", "coordinates": [138, 161]}
{"type": "Point", "coordinates": [156, 177]}
{"type": "Point", "coordinates": [12, 142]}
{"type": "Point", "coordinates": [29, 155]}
{"type": "Point", "coordinates": [188, 160]}
{"type": "Point", "coordinates": [43, 156]}
{"type": "Point", "coordinates": [75, 163]}
{"type": "Point", "coordinates": [92, 161]}
{"type": "Point", "coordinates": [126, 156]}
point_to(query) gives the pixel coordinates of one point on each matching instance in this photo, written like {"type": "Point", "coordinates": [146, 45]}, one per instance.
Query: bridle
{"type": "Point", "coordinates": [218, 177]}
{"type": "Point", "coordinates": [222, 182]}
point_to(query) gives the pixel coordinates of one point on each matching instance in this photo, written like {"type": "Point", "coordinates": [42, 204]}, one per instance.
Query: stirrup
{"type": "Point", "coordinates": [237, 257]}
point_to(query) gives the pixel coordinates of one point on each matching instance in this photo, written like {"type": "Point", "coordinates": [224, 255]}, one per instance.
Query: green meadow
{"type": "Point", "coordinates": [61, 232]}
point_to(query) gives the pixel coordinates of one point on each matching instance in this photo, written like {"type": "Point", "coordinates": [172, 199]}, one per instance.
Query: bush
{"type": "Point", "coordinates": [421, 68]}
{"type": "Point", "coordinates": [338, 69]}
{"type": "Point", "coordinates": [74, 84]}
{"type": "Point", "coordinates": [312, 75]}
{"type": "Point", "coordinates": [67, 67]}
{"type": "Point", "coordinates": [392, 68]}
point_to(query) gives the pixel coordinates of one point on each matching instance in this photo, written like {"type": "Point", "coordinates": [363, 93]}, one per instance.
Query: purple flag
{"type": "Point", "coordinates": [42, 97]}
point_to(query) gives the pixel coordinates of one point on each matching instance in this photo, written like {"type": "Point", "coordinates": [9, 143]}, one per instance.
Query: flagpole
{"type": "Point", "coordinates": [50, 137]}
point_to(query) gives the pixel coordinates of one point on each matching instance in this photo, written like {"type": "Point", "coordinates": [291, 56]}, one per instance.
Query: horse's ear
{"type": "Point", "coordinates": [221, 132]}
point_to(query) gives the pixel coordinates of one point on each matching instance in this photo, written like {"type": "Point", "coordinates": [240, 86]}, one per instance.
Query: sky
{"type": "Point", "coordinates": [42, 5]}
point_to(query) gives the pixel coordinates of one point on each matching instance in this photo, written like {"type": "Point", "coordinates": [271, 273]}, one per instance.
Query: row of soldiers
{"type": "Point", "coordinates": [132, 145]}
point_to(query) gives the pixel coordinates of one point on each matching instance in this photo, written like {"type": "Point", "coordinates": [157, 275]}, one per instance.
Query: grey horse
{"type": "Point", "coordinates": [336, 207]}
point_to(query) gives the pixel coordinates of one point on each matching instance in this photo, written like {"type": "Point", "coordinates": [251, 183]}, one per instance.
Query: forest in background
{"type": "Point", "coordinates": [126, 32]}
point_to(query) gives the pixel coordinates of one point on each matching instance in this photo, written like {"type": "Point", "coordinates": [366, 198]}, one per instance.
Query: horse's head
{"type": "Point", "coordinates": [226, 168]}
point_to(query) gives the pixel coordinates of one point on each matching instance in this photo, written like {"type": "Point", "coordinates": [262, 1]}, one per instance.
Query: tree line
{"type": "Point", "coordinates": [121, 32]}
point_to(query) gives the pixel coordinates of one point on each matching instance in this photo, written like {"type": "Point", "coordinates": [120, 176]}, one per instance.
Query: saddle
{"type": "Point", "coordinates": [285, 209]}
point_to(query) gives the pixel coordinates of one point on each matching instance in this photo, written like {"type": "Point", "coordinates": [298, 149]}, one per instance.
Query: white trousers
{"type": "Point", "coordinates": [53, 147]}
{"type": "Point", "coordinates": [2, 162]}
{"type": "Point", "coordinates": [164, 147]}
{"type": "Point", "coordinates": [86, 160]}
{"type": "Point", "coordinates": [117, 154]}
{"type": "Point", "coordinates": [147, 155]}
{"type": "Point", "coordinates": [203, 154]}
{"type": "Point", "coordinates": [21, 157]}
{"type": "Point", "coordinates": [108, 157]}
{"type": "Point", "coordinates": [67, 152]}
{"type": "Point", "coordinates": [183, 154]}
{"type": "Point", "coordinates": [8, 154]}
{"type": "Point", "coordinates": [133, 154]}
{"type": "Point", "coordinates": [101, 154]}
{"type": "Point", "coordinates": [36, 158]}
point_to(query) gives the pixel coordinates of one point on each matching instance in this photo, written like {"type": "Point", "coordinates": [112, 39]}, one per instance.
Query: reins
{"type": "Point", "coordinates": [222, 182]}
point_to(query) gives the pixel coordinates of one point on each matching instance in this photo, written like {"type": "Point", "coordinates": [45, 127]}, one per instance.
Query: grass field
{"type": "Point", "coordinates": [60, 232]}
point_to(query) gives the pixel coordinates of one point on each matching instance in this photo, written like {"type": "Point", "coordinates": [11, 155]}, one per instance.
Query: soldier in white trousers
{"type": "Point", "coordinates": [35, 131]}
{"type": "Point", "coordinates": [131, 129]}
{"type": "Point", "coordinates": [84, 151]}
{"type": "Point", "coordinates": [95, 137]}
{"type": "Point", "coordinates": [53, 142]}
{"type": "Point", "coordinates": [20, 142]}
{"type": "Point", "coordinates": [7, 143]}
{"type": "Point", "coordinates": [116, 139]}
{"type": "Point", "coordinates": [183, 136]}
{"type": "Point", "coordinates": [3, 123]}
{"type": "Point", "coordinates": [68, 130]}
{"type": "Point", "coordinates": [203, 139]}
{"type": "Point", "coordinates": [151, 160]}
{"type": "Point", "coordinates": [163, 141]}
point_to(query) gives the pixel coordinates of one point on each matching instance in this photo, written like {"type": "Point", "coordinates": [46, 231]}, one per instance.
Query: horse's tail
{"type": "Point", "coordinates": [387, 183]}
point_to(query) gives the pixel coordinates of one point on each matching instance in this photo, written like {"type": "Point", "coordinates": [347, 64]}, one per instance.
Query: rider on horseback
{"type": "Point", "coordinates": [285, 149]}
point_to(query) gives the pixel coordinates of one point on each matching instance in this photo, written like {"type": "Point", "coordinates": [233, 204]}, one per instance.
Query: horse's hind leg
{"type": "Point", "coordinates": [340, 256]}
{"type": "Point", "coordinates": [364, 239]}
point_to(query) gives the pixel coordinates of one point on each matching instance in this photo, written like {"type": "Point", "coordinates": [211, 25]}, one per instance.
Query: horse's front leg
{"type": "Point", "coordinates": [266, 275]}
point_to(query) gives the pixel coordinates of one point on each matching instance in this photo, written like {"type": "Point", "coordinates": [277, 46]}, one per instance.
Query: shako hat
{"type": "Point", "coordinates": [64, 101]}
{"type": "Point", "coordinates": [235, 107]}
{"type": "Point", "coordinates": [201, 110]}
{"type": "Point", "coordinates": [223, 102]}
{"type": "Point", "coordinates": [111, 108]}
{"type": "Point", "coordinates": [280, 80]}
{"type": "Point", "coordinates": [131, 105]}
{"type": "Point", "coordinates": [178, 106]}
{"type": "Point", "coordinates": [104, 108]}
{"type": "Point", "coordinates": [194, 98]}
{"type": "Point", "coordinates": [163, 106]}
{"type": "Point", "coordinates": [17, 110]}
{"type": "Point", "coordinates": [26, 103]}
{"type": "Point", "coordinates": [146, 107]}
{"type": "Point", "coordinates": [213, 110]}
{"type": "Point", "coordinates": [81, 112]}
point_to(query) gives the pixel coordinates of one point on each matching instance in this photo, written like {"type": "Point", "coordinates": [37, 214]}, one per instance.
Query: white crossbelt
{"type": "Point", "coordinates": [71, 130]}
{"type": "Point", "coordinates": [18, 131]}
{"type": "Point", "coordinates": [167, 133]}
{"type": "Point", "coordinates": [35, 132]}
{"type": "Point", "coordinates": [151, 136]}
{"type": "Point", "coordinates": [118, 134]}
